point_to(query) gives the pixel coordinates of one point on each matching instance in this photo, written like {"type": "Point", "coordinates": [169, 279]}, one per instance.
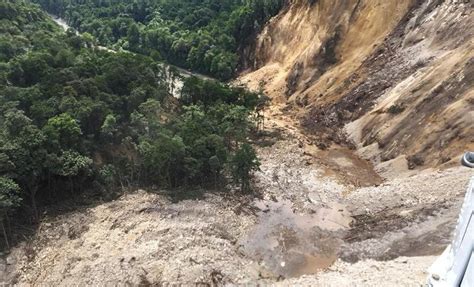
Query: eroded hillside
{"type": "Point", "coordinates": [394, 77]}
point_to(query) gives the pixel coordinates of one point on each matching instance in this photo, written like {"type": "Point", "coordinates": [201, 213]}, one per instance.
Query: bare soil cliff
{"type": "Point", "coordinates": [393, 77]}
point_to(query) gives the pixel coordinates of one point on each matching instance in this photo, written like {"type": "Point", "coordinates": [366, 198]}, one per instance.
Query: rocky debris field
{"type": "Point", "coordinates": [139, 238]}
{"type": "Point", "coordinates": [403, 271]}
{"type": "Point", "coordinates": [308, 224]}
{"type": "Point", "coordinates": [396, 76]}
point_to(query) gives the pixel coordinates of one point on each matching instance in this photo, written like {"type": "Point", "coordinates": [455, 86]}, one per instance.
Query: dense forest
{"type": "Point", "coordinates": [203, 35]}
{"type": "Point", "coordinates": [76, 119]}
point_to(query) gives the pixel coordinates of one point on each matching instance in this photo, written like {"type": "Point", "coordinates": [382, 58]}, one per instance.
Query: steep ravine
{"type": "Point", "coordinates": [395, 78]}
{"type": "Point", "coordinates": [309, 226]}
{"type": "Point", "coordinates": [355, 85]}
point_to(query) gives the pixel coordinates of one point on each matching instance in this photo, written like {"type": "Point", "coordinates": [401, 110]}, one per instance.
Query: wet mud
{"type": "Point", "coordinates": [289, 244]}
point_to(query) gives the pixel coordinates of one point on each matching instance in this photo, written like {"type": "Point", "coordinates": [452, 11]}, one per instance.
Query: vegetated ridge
{"type": "Point", "coordinates": [80, 121]}
{"type": "Point", "coordinates": [392, 78]}
{"type": "Point", "coordinates": [203, 36]}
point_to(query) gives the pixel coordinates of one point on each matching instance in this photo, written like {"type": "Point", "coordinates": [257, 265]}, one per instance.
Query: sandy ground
{"type": "Point", "coordinates": [319, 217]}
{"type": "Point", "coordinates": [403, 271]}
{"type": "Point", "coordinates": [310, 226]}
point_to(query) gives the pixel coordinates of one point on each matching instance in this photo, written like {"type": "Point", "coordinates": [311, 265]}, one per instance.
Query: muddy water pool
{"type": "Point", "coordinates": [288, 244]}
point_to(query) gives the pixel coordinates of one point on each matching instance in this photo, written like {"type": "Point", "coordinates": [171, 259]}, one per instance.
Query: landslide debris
{"type": "Point", "coordinates": [306, 221]}
{"type": "Point", "coordinates": [395, 78]}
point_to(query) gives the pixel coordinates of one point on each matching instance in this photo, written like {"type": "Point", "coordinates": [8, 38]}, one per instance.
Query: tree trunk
{"type": "Point", "coordinates": [132, 173]}
{"type": "Point", "coordinates": [33, 203]}
{"type": "Point", "coordinates": [54, 188]}
{"type": "Point", "coordinates": [139, 175]}
{"type": "Point", "coordinates": [35, 209]}
{"type": "Point", "coordinates": [9, 227]}
{"type": "Point", "coordinates": [121, 182]}
{"type": "Point", "coordinates": [71, 184]}
{"type": "Point", "coordinates": [50, 197]}
{"type": "Point", "coordinates": [215, 180]}
{"type": "Point", "coordinates": [168, 176]}
{"type": "Point", "coordinates": [5, 235]}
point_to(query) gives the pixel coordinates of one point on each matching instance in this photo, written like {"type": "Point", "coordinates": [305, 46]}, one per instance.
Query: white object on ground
{"type": "Point", "coordinates": [455, 267]}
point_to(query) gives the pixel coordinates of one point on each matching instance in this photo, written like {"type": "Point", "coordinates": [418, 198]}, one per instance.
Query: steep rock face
{"type": "Point", "coordinates": [305, 43]}
{"type": "Point", "coordinates": [396, 76]}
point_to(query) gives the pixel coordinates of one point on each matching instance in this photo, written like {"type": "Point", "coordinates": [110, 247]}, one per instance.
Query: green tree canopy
{"type": "Point", "coordinates": [243, 163]}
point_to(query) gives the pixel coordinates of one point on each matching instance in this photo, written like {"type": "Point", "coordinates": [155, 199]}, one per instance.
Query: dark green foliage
{"type": "Point", "coordinates": [197, 91]}
{"type": "Point", "coordinates": [73, 118]}
{"type": "Point", "coordinates": [9, 199]}
{"type": "Point", "coordinates": [9, 195]}
{"type": "Point", "coordinates": [243, 163]}
{"type": "Point", "coordinates": [200, 35]}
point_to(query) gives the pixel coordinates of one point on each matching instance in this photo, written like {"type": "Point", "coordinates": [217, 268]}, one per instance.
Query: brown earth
{"type": "Point", "coordinates": [308, 226]}
{"type": "Point", "coordinates": [395, 78]}
{"type": "Point", "coordinates": [381, 87]}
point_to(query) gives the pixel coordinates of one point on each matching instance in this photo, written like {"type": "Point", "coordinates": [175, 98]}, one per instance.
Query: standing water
{"type": "Point", "coordinates": [289, 244]}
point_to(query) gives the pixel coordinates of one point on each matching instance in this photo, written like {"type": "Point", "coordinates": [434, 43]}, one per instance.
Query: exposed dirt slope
{"type": "Point", "coordinates": [397, 75]}
{"type": "Point", "coordinates": [308, 216]}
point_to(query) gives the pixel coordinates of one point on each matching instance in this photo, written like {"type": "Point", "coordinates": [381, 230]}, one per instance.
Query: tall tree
{"type": "Point", "coordinates": [243, 163]}
{"type": "Point", "coordinates": [9, 199]}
